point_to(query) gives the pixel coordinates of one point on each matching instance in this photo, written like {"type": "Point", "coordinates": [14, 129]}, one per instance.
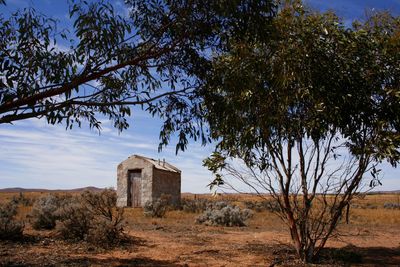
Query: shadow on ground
{"type": "Point", "coordinates": [33, 252]}
{"type": "Point", "coordinates": [379, 255]}
{"type": "Point", "coordinates": [55, 252]}
{"type": "Point", "coordinates": [137, 261]}
{"type": "Point", "coordinates": [360, 256]}
{"type": "Point", "coordinates": [376, 256]}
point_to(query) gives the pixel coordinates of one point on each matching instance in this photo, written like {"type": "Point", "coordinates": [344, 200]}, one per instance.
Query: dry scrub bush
{"type": "Point", "coordinates": [225, 215]}
{"type": "Point", "coordinates": [157, 208]}
{"type": "Point", "coordinates": [75, 220]}
{"type": "Point", "coordinates": [364, 206]}
{"type": "Point", "coordinates": [266, 205]}
{"type": "Point", "coordinates": [45, 211]}
{"type": "Point", "coordinates": [217, 205]}
{"type": "Point", "coordinates": [10, 229]}
{"type": "Point", "coordinates": [389, 205]}
{"type": "Point", "coordinates": [195, 205]}
{"type": "Point", "coordinates": [107, 218]}
{"type": "Point", "coordinates": [92, 217]}
{"type": "Point", "coordinates": [106, 233]}
{"type": "Point", "coordinates": [22, 200]}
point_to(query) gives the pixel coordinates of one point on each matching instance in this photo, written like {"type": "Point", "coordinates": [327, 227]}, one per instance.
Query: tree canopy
{"type": "Point", "coordinates": [309, 110]}
{"type": "Point", "coordinates": [312, 76]}
{"type": "Point", "coordinates": [155, 58]}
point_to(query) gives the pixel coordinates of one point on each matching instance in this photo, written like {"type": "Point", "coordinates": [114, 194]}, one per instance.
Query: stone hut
{"type": "Point", "coordinates": [142, 179]}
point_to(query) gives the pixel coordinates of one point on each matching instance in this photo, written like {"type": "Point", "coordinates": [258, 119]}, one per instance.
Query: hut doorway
{"type": "Point", "coordinates": [135, 186]}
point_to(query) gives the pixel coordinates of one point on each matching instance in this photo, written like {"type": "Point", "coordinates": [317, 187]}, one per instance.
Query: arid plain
{"type": "Point", "coordinates": [371, 238]}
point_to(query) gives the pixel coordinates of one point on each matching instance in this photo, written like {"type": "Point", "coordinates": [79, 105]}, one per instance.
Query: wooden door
{"type": "Point", "coordinates": [135, 179]}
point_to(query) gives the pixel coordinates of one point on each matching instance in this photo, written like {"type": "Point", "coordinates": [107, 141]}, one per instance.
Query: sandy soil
{"type": "Point", "coordinates": [371, 239]}
{"type": "Point", "coordinates": [177, 241]}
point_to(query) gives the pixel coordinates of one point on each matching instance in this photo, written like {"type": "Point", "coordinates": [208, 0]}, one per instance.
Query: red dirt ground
{"type": "Point", "coordinates": [178, 241]}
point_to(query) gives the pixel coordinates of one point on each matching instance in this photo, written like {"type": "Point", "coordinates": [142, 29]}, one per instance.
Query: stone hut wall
{"type": "Point", "coordinates": [123, 169]}
{"type": "Point", "coordinates": [166, 182]}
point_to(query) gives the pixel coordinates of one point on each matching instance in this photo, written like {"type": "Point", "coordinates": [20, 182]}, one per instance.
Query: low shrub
{"type": "Point", "coordinates": [225, 215]}
{"type": "Point", "coordinates": [259, 206]}
{"type": "Point", "coordinates": [157, 208]}
{"type": "Point", "coordinates": [106, 232]}
{"type": "Point", "coordinates": [364, 206]}
{"type": "Point", "coordinates": [356, 206]}
{"type": "Point", "coordinates": [93, 217]}
{"type": "Point", "coordinates": [389, 205]}
{"type": "Point", "coordinates": [217, 205]}
{"type": "Point", "coordinates": [45, 211]}
{"type": "Point", "coordinates": [75, 220]}
{"type": "Point", "coordinates": [22, 200]}
{"type": "Point", "coordinates": [196, 205]}
{"type": "Point", "coordinates": [10, 228]}
{"type": "Point", "coordinates": [370, 206]}
{"type": "Point", "coordinates": [253, 205]}
{"type": "Point", "coordinates": [107, 221]}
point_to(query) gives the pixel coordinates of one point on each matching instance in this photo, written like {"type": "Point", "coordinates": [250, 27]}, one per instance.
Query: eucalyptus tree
{"type": "Point", "coordinates": [309, 111]}
{"type": "Point", "coordinates": [154, 57]}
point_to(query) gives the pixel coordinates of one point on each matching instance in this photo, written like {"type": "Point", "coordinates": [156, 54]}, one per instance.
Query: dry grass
{"type": "Point", "coordinates": [176, 240]}
{"type": "Point", "coordinates": [366, 210]}
{"type": "Point", "coordinates": [369, 211]}
{"type": "Point", "coordinates": [375, 217]}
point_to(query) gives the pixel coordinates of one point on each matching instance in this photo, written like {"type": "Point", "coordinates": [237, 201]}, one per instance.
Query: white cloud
{"type": "Point", "coordinates": [34, 154]}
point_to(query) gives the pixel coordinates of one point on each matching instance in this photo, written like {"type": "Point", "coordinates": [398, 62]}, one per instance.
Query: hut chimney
{"type": "Point", "coordinates": [163, 163]}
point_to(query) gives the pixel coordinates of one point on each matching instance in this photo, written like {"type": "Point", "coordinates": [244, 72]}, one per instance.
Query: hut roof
{"type": "Point", "coordinates": [158, 164]}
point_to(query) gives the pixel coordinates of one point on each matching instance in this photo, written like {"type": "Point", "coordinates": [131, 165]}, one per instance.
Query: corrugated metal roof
{"type": "Point", "coordinates": [159, 164]}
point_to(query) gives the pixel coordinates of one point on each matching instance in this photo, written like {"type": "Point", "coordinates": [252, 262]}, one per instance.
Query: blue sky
{"type": "Point", "coordinates": [36, 155]}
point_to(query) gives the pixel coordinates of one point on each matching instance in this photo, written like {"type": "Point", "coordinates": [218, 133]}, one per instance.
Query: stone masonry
{"type": "Point", "coordinates": [153, 179]}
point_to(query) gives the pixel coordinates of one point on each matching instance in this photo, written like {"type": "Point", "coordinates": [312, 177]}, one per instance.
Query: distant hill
{"type": "Point", "coordinates": [188, 194]}
{"type": "Point", "coordinates": [19, 189]}
{"type": "Point", "coordinates": [384, 192]}
{"type": "Point", "coordinates": [93, 188]}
